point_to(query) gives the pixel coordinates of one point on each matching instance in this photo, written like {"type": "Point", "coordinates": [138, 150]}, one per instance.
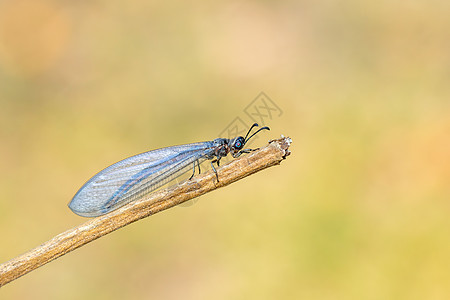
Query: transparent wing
{"type": "Point", "coordinates": [131, 178]}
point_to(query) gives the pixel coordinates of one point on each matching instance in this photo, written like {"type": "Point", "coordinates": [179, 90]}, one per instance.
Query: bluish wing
{"type": "Point", "coordinates": [131, 178]}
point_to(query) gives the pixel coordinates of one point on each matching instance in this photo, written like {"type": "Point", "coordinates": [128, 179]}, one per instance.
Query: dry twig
{"type": "Point", "coordinates": [76, 237]}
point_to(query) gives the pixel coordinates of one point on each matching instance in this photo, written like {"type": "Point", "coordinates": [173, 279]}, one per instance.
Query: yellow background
{"type": "Point", "coordinates": [360, 210]}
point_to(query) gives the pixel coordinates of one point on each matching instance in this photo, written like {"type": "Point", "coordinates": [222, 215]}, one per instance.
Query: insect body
{"type": "Point", "coordinates": [133, 177]}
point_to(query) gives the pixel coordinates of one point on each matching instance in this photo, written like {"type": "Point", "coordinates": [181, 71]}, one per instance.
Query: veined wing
{"type": "Point", "coordinates": [131, 178]}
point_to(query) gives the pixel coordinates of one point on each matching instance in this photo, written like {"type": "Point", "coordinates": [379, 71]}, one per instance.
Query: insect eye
{"type": "Point", "coordinates": [238, 145]}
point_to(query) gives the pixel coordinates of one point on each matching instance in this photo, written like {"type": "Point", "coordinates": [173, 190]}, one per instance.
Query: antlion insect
{"type": "Point", "coordinates": [133, 177]}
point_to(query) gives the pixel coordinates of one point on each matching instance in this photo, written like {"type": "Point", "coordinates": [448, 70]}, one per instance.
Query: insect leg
{"type": "Point", "coordinates": [193, 169]}
{"type": "Point", "coordinates": [214, 169]}
{"type": "Point", "coordinates": [244, 151]}
{"type": "Point", "coordinates": [198, 165]}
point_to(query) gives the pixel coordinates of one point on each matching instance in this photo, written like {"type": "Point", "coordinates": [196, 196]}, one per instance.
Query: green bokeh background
{"type": "Point", "coordinates": [360, 210]}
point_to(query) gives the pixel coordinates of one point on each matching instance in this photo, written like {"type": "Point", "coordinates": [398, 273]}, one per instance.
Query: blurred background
{"type": "Point", "coordinates": [360, 210]}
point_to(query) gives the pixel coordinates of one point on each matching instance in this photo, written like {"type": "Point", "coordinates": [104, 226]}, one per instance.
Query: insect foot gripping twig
{"type": "Point", "coordinates": [268, 156]}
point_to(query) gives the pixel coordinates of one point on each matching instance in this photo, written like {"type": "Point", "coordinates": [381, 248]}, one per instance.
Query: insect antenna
{"type": "Point", "coordinates": [262, 128]}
